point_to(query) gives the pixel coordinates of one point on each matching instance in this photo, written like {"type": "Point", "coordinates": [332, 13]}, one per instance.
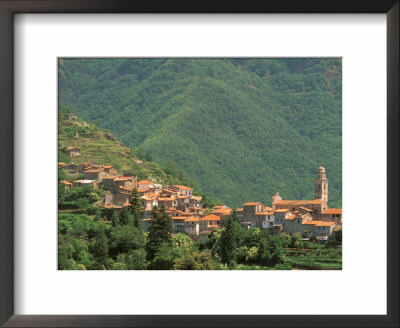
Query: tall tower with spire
{"type": "Point", "coordinates": [321, 187]}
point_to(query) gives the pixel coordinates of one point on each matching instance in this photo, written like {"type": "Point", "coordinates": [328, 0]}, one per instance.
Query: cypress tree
{"type": "Point", "coordinates": [99, 249]}
{"type": "Point", "coordinates": [228, 242]}
{"type": "Point", "coordinates": [115, 219]}
{"type": "Point", "coordinates": [159, 232]}
{"type": "Point", "coordinates": [136, 209]}
{"type": "Point", "coordinates": [126, 216]}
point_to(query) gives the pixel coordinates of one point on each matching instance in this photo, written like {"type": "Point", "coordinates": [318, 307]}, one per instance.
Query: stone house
{"type": "Point", "coordinates": [73, 151]}
{"type": "Point", "coordinates": [143, 184]}
{"type": "Point", "coordinates": [71, 168]}
{"type": "Point", "coordinates": [148, 202]}
{"type": "Point", "coordinates": [86, 182]}
{"type": "Point", "coordinates": [83, 166]}
{"type": "Point", "coordinates": [178, 224]}
{"type": "Point", "coordinates": [295, 222]}
{"type": "Point", "coordinates": [250, 210]}
{"type": "Point", "coordinates": [121, 197]}
{"type": "Point", "coordinates": [125, 182]}
{"type": "Point", "coordinates": [108, 182]}
{"type": "Point", "coordinates": [96, 174]}
{"type": "Point", "coordinates": [268, 219]}
{"type": "Point", "coordinates": [210, 222]}
{"type": "Point", "coordinates": [183, 203]}
{"type": "Point", "coordinates": [110, 170]}
{"type": "Point", "coordinates": [281, 215]}
{"type": "Point", "coordinates": [182, 190]}
{"type": "Point", "coordinates": [167, 202]}
{"type": "Point", "coordinates": [192, 226]}
{"type": "Point", "coordinates": [319, 228]}
{"type": "Point", "coordinates": [332, 214]}
{"type": "Point", "coordinates": [166, 192]}
{"type": "Point", "coordinates": [72, 116]}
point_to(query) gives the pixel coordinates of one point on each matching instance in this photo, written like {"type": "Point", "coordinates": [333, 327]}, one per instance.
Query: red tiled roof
{"type": "Point", "coordinates": [211, 217]}
{"type": "Point", "coordinates": [282, 210]}
{"type": "Point", "coordinates": [181, 187]}
{"type": "Point", "coordinates": [298, 202]}
{"type": "Point", "coordinates": [251, 203]}
{"type": "Point", "coordinates": [333, 211]}
{"type": "Point", "coordinates": [66, 182]}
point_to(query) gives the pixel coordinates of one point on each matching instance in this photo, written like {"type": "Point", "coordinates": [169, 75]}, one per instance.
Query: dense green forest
{"type": "Point", "coordinates": [243, 129]}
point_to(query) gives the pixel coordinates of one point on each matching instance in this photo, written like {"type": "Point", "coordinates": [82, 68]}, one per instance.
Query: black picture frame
{"type": "Point", "coordinates": [10, 7]}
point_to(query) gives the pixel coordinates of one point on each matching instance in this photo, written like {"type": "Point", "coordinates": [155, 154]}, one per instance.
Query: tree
{"type": "Point", "coordinates": [136, 209]}
{"type": "Point", "coordinates": [229, 236]}
{"type": "Point", "coordinates": [126, 217]}
{"type": "Point", "coordinates": [99, 248]}
{"type": "Point", "coordinates": [115, 219]}
{"type": "Point", "coordinates": [159, 232]}
{"type": "Point", "coordinates": [124, 238]}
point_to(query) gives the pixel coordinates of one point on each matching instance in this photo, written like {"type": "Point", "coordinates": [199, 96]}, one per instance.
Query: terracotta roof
{"type": "Point", "coordinates": [333, 211]}
{"type": "Point", "coordinates": [306, 209]}
{"type": "Point", "coordinates": [92, 171]}
{"type": "Point", "coordinates": [282, 210]}
{"type": "Point", "coordinates": [260, 213]}
{"type": "Point", "coordinates": [61, 163]}
{"type": "Point", "coordinates": [108, 166]}
{"type": "Point", "coordinates": [192, 219]}
{"type": "Point", "coordinates": [223, 211]}
{"type": "Point", "coordinates": [178, 218]}
{"type": "Point", "coordinates": [143, 190]}
{"type": "Point", "coordinates": [268, 208]}
{"type": "Point", "coordinates": [270, 213]}
{"type": "Point", "coordinates": [144, 182]}
{"type": "Point", "coordinates": [298, 202]}
{"type": "Point", "coordinates": [66, 182]}
{"type": "Point", "coordinates": [211, 217]}
{"type": "Point", "coordinates": [311, 222]}
{"type": "Point", "coordinates": [71, 148]}
{"type": "Point", "coordinates": [181, 187]}
{"type": "Point", "coordinates": [239, 210]}
{"type": "Point", "coordinates": [110, 177]}
{"type": "Point", "coordinates": [123, 178]}
{"type": "Point", "coordinates": [251, 203]}
{"type": "Point", "coordinates": [325, 224]}
{"type": "Point", "coordinates": [291, 217]}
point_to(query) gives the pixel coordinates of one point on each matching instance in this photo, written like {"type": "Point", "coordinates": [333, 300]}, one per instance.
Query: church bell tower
{"type": "Point", "coordinates": [321, 187]}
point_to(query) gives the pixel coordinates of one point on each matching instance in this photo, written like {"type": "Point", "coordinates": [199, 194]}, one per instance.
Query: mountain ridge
{"type": "Point", "coordinates": [242, 129]}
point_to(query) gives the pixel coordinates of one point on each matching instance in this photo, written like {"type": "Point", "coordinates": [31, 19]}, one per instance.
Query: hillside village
{"type": "Point", "coordinates": [311, 218]}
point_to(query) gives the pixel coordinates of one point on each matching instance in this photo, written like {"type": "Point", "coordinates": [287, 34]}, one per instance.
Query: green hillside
{"type": "Point", "coordinates": [102, 147]}
{"type": "Point", "coordinates": [242, 128]}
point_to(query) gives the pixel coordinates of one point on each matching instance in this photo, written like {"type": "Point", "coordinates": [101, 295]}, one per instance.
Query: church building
{"type": "Point", "coordinates": [315, 206]}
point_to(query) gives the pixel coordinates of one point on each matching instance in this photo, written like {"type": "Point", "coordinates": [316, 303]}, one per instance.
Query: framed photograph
{"type": "Point", "coordinates": [157, 156]}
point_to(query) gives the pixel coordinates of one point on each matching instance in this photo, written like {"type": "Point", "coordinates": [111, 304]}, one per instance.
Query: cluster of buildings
{"type": "Point", "coordinates": [311, 218]}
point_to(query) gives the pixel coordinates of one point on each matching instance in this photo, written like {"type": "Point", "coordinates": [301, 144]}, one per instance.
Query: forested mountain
{"type": "Point", "coordinates": [242, 128]}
